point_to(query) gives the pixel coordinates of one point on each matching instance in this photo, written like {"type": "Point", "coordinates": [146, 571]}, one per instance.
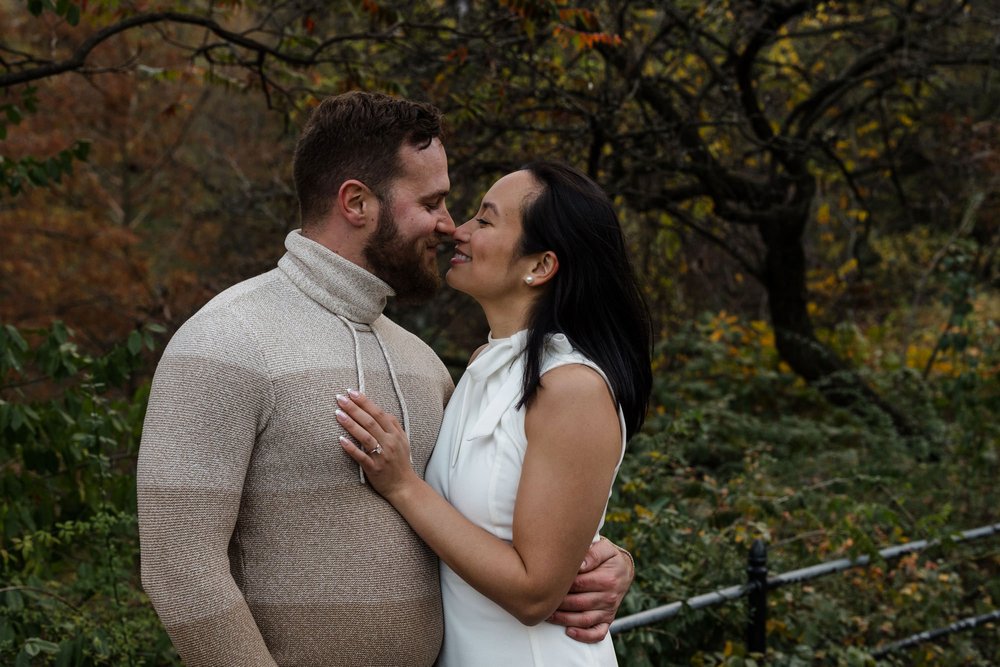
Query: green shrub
{"type": "Point", "coordinates": [69, 432]}
{"type": "Point", "coordinates": [738, 448]}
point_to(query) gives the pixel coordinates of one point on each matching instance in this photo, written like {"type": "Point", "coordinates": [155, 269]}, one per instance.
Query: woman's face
{"type": "Point", "coordinates": [487, 265]}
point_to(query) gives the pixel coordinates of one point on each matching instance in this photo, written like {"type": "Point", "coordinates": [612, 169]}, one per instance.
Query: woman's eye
{"type": "Point", "coordinates": [482, 221]}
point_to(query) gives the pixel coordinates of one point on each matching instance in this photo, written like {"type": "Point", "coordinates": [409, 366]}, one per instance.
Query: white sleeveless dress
{"type": "Point", "coordinates": [476, 466]}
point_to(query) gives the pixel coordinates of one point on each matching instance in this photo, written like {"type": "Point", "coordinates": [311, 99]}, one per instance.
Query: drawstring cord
{"type": "Point", "coordinates": [392, 377]}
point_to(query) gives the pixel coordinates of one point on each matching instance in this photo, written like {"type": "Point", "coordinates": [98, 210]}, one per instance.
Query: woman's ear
{"type": "Point", "coordinates": [357, 203]}
{"type": "Point", "coordinates": [543, 270]}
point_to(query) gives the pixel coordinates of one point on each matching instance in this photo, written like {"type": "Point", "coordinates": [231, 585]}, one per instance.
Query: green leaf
{"type": "Point", "coordinates": [16, 419]}
{"type": "Point", "coordinates": [59, 332]}
{"type": "Point", "coordinates": [73, 15]}
{"type": "Point", "coordinates": [36, 645]}
{"type": "Point", "coordinates": [135, 343]}
{"type": "Point", "coordinates": [13, 114]}
{"type": "Point", "coordinates": [15, 602]}
{"type": "Point", "coordinates": [54, 170]}
{"type": "Point", "coordinates": [35, 7]}
{"type": "Point", "coordinates": [69, 652]}
{"type": "Point", "coordinates": [82, 150]}
{"type": "Point", "coordinates": [16, 338]}
{"type": "Point", "coordinates": [36, 175]}
{"type": "Point", "coordinates": [29, 99]}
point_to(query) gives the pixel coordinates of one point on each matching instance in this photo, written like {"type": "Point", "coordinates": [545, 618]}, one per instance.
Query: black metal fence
{"type": "Point", "coordinates": [759, 583]}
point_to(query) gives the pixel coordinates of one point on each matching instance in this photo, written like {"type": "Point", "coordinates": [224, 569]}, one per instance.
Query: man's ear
{"type": "Point", "coordinates": [357, 203]}
{"type": "Point", "coordinates": [545, 267]}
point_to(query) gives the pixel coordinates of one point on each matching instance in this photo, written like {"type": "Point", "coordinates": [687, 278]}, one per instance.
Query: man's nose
{"type": "Point", "coordinates": [445, 225]}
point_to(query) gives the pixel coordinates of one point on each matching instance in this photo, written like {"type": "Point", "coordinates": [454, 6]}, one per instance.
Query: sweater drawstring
{"type": "Point", "coordinates": [392, 377]}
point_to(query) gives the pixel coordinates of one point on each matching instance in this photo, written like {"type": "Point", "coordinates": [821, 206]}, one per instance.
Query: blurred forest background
{"type": "Point", "coordinates": [811, 190]}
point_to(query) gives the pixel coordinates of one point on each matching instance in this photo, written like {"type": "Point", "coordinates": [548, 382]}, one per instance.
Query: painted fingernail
{"type": "Point", "coordinates": [341, 399]}
{"type": "Point", "coordinates": [354, 393]}
{"type": "Point", "coordinates": [341, 414]}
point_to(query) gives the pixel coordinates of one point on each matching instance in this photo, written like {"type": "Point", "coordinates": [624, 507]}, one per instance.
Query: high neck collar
{"type": "Point", "coordinates": [339, 285]}
{"type": "Point", "coordinates": [498, 353]}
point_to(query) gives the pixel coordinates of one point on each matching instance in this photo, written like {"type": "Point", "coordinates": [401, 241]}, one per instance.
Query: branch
{"type": "Point", "coordinates": [816, 105]}
{"type": "Point", "coordinates": [688, 220]}
{"type": "Point", "coordinates": [905, 38]}
{"type": "Point", "coordinates": [668, 200]}
{"type": "Point", "coordinates": [77, 60]}
{"type": "Point", "coordinates": [41, 591]}
{"type": "Point", "coordinates": [744, 76]}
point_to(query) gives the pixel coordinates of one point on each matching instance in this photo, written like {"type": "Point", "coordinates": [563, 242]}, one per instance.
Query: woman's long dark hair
{"type": "Point", "coordinates": [593, 298]}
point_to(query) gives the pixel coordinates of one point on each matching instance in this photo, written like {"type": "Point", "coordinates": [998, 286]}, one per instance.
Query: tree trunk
{"type": "Point", "coordinates": [795, 339]}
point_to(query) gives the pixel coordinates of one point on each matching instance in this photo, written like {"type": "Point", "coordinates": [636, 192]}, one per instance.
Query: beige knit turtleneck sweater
{"type": "Point", "coordinates": [260, 544]}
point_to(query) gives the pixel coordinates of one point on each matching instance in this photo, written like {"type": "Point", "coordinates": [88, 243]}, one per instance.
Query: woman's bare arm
{"type": "Point", "coordinates": [574, 441]}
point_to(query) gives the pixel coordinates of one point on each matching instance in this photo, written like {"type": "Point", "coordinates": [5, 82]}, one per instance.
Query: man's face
{"type": "Point", "coordinates": [412, 221]}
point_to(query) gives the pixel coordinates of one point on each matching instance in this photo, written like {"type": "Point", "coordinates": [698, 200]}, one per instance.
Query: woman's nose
{"type": "Point", "coordinates": [461, 232]}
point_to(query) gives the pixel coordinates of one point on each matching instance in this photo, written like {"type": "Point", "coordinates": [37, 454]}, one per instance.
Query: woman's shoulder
{"type": "Point", "coordinates": [559, 351]}
{"type": "Point", "coordinates": [575, 381]}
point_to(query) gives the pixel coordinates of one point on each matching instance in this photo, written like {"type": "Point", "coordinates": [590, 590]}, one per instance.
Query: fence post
{"type": "Point", "coordinates": [757, 598]}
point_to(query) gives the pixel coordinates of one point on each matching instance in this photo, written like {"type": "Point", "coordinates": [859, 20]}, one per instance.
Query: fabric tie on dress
{"type": "Point", "coordinates": [497, 355]}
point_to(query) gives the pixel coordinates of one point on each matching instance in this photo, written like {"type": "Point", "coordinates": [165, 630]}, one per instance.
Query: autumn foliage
{"type": "Point", "coordinates": [809, 189]}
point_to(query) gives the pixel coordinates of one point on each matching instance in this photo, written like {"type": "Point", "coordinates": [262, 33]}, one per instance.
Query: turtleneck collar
{"type": "Point", "coordinates": [337, 284]}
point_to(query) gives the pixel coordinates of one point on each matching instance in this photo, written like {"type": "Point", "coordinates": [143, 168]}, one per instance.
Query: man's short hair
{"type": "Point", "coordinates": [357, 135]}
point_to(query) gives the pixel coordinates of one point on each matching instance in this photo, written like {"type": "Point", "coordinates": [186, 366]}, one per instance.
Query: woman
{"type": "Point", "coordinates": [518, 484]}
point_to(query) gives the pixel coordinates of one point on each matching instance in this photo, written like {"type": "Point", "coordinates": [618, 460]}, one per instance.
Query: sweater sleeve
{"type": "Point", "coordinates": [211, 397]}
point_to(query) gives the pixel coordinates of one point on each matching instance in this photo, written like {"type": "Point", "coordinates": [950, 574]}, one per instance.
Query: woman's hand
{"type": "Point", "coordinates": [384, 451]}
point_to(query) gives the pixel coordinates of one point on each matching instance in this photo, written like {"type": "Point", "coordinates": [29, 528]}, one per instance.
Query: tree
{"type": "Point", "coordinates": [739, 121]}
{"type": "Point", "coordinates": [734, 117]}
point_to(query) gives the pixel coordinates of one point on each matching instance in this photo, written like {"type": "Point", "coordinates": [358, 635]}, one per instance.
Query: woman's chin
{"type": "Point", "coordinates": [455, 283]}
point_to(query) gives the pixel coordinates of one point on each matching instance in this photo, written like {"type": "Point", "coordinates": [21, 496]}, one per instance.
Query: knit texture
{"type": "Point", "coordinates": [260, 545]}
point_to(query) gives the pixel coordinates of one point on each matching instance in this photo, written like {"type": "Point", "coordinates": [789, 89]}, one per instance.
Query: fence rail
{"type": "Point", "coordinates": [759, 583]}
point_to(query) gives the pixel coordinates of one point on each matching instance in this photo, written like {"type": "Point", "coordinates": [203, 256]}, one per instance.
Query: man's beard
{"type": "Point", "coordinates": [400, 263]}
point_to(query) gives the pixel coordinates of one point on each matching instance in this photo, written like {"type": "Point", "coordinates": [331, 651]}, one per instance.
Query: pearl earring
{"type": "Point", "coordinates": [529, 279]}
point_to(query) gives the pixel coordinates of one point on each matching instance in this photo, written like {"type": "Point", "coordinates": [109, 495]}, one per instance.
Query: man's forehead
{"type": "Point", "coordinates": [425, 169]}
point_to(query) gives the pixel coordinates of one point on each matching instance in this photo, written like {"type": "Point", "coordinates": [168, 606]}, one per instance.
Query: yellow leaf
{"type": "Point", "coordinates": [823, 214]}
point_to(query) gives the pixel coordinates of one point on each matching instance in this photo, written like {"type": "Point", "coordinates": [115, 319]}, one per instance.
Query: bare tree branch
{"type": "Point", "coordinates": [79, 57]}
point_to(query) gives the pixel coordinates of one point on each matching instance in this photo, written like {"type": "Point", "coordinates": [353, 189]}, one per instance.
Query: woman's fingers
{"type": "Point", "coordinates": [360, 425]}
{"type": "Point", "coordinates": [360, 415]}
{"type": "Point", "coordinates": [355, 452]}
{"type": "Point", "coordinates": [377, 432]}
{"type": "Point", "coordinates": [386, 421]}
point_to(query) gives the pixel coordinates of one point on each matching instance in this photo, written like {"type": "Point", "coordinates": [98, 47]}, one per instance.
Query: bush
{"type": "Point", "coordinates": [738, 448]}
{"type": "Point", "coordinates": [69, 432]}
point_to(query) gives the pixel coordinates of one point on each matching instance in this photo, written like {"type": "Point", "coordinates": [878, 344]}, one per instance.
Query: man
{"type": "Point", "coordinates": [261, 544]}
